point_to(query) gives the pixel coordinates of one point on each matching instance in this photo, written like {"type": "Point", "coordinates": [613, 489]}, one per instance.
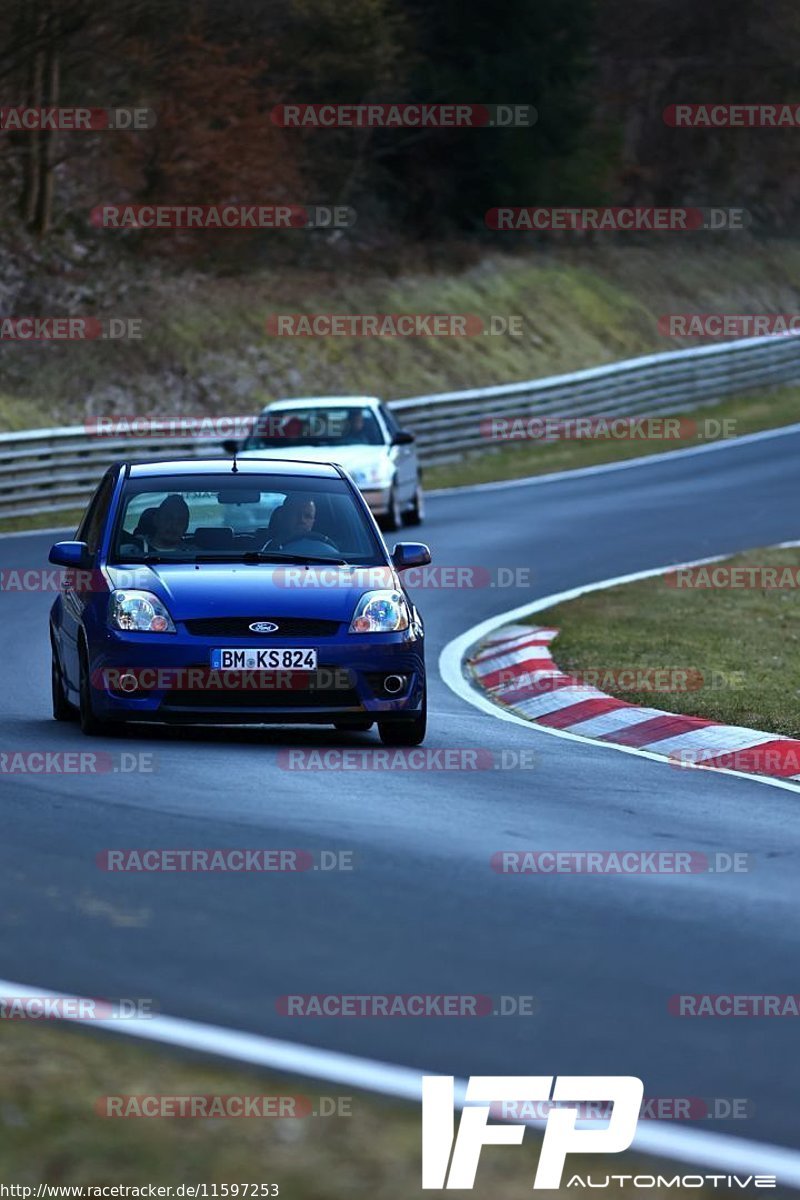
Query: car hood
{"type": "Point", "coordinates": [258, 590]}
{"type": "Point", "coordinates": [352, 458]}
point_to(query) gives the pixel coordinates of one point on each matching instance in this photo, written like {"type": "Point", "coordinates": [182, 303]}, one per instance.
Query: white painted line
{"type": "Point", "coordinates": [454, 653]}
{"type": "Point", "coordinates": [627, 464]}
{"type": "Point", "coordinates": [715, 1150]}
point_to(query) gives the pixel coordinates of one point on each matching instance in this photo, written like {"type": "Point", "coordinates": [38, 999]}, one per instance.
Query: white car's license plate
{"type": "Point", "coordinates": [276, 658]}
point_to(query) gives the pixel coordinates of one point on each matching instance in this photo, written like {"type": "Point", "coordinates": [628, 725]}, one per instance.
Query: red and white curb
{"type": "Point", "coordinates": [514, 668]}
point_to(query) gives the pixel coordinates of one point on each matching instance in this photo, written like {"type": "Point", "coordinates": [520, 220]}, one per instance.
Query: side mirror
{"type": "Point", "coordinates": [71, 554]}
{"type": "Point", "coordinates": [403, 438]}
{"type": "Point", "coordinates": [230, 446]}
{"type": "Point", "coordinates": [410, 554]}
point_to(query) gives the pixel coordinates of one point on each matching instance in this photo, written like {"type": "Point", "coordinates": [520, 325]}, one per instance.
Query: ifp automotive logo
{"type": "Point", "coordinates": [441, 1149]}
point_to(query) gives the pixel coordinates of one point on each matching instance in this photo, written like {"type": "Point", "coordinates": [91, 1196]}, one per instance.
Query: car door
{"type": "Point", "coordinates": [77, 587]}
{"type": "Point", "coordinates": [405, 458]}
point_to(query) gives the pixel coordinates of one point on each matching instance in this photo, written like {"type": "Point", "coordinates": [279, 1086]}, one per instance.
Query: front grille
{"type": "Point", "coordinates": [239, 627]}
{"type": "Point", "coordinates": [267, 699]}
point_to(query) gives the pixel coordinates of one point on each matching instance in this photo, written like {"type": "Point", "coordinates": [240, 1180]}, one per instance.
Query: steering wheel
{"type": "Point", "coordinates": [310, 537]}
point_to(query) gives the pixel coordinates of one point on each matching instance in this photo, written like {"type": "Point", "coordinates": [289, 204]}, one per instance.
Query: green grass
{"type": "Point", "coordinates": [68, 521]}
{"type": "Point", "coordinates": [205, 350]}
{"type": "Point", "coordinates": [51, 1078]}
{"type": "Point", "coordinates": [745, 642]}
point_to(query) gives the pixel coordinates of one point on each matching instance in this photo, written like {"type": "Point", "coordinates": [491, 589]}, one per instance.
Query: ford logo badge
{"type": "Point", "coordinates": [264, 627]}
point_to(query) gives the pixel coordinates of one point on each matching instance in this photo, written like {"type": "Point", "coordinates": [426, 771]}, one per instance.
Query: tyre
{"type": "Point", "coordinates": [405, 731]}
{"type": "Point", "coordinates": [91, 725]}
{"type": "Point", "coordinates": [357, 725]}
{"type": "Point", "coordinates": [416, 514]}
{"type": "Point", "coordinates": [394, 517]}
{"type": "Point", "coordinates": [62, 709]}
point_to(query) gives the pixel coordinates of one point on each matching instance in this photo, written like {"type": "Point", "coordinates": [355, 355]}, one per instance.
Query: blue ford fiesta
{"type": "Point", "coordinates": [216, 591]}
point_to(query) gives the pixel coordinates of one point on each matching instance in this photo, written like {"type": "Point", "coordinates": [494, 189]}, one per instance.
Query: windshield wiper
{"type": "Point", "coordinates": [300, 559]}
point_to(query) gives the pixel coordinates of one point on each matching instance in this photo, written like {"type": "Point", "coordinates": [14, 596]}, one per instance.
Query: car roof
{"type": "Point", "coordinates": [325, 402]}
{"type": "Point", "coordinates": [223, 467]}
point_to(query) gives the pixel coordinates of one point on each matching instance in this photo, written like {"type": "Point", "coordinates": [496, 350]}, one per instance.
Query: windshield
{"type": "Point", "coordinates": [345, 426]}
{"type": "Point", "coordinates": [205, 518]}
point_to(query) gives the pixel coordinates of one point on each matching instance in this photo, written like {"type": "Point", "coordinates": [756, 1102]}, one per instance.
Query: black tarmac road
{"type": "Point", "coordinates": [423, 911]}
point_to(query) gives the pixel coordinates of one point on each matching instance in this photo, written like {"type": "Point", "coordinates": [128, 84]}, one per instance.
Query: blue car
{"type": "Point", "coordinates": [222, 591]}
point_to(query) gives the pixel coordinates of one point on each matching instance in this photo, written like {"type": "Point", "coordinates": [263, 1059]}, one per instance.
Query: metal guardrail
{"type": "Point", "coordinates": [54, 470]}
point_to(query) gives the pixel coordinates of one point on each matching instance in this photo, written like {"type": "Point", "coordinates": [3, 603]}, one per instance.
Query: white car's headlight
{"type": "Point", "coordinates": [138, 612]}
{"type": "Point", "coordinates": [379, 475]}
{"type": "Point", "coordinates": [380, 612]}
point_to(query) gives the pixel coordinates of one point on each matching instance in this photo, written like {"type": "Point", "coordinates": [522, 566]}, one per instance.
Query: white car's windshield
{"type": "Point", "coordinates": [306, 426]}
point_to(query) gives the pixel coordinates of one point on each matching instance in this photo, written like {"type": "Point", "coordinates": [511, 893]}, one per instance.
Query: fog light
{"type": "Point", "coordinates": [394, 684]}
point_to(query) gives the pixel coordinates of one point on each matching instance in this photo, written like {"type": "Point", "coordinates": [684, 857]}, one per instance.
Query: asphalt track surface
{"type": "Point", "coordinates": [423, 911]}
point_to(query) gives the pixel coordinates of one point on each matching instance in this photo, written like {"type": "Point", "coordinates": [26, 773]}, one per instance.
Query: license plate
{"type": "Point", "coordinates": [276, 658]}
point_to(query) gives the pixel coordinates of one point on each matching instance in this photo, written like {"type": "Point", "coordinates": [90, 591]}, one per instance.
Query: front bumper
{"type": "Point", "coordinates": [378, 500]}
{"type": "Point", "coordinates": [176, 684]}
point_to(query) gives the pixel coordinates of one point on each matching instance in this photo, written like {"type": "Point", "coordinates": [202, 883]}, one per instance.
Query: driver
{"type": "Point", "coordinates": [170, 522]}
{"type": "Point", "coordinates": [302, 513]}
{"type": "Point", "coordinates": [294, 519]}
{"type": "Point", "coordinates": [356, 430]}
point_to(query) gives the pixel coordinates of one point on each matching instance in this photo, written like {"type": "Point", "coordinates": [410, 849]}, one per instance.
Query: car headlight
{"type": "Point", "coordinates": [380, 612]}
{"type": "Point", "coordinates": [138, 612]}
{"type": "Point", "coordinates": [375, 476]}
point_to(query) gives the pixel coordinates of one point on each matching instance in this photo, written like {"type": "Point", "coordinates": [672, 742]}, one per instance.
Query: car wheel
{"type": "Point", "coordinates": [358, 725]}
{"type": "Point", "coordinates": [416, 514]}
{"type": "Point", "coordinates": [405, 731]}
{"type": "Point", "coordinates": [91, 725]}
{"type": "Point", "coordinates": [394, 517]}
{"type": "Point", "coordinates": [62, 709]}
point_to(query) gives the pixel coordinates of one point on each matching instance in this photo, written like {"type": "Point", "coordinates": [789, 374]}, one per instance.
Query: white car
{"type": "Point", "coordinates": [358, 432]}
